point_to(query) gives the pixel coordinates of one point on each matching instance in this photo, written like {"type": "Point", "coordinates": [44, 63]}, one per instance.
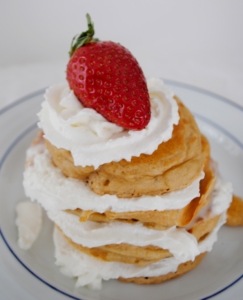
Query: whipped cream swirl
{"type": "Point", "coordinates": [92, 139]}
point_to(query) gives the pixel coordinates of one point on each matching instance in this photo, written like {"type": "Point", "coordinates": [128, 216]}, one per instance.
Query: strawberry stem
{"type": "Point", "coordinates": [84, 38]}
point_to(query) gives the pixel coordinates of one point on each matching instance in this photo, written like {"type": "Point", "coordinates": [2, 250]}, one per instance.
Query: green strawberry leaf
{"type": "Point", "coordinates": [84, 38]}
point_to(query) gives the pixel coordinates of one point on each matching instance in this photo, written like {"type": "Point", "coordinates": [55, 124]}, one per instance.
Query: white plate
{"type": "Point", "coordinates": [33, 275]}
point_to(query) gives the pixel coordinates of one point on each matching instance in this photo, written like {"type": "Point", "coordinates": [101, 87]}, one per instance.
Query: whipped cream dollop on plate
{"type": "Point", "coordinates": [29, 223]}
{"type": "Point", "coordinates": [92, 139]}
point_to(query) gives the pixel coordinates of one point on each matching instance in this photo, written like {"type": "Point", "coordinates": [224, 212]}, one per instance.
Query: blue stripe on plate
{"type": "Point", "coordinates": [21, 100]}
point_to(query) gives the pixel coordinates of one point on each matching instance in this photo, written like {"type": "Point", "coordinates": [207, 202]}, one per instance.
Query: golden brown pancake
{"type": "Point", "coordinates": [158, 219]}
{"type": "Point", "coordinates": [235, 212]}
{"type": "Point", "coordinates": [142, 256]}
{"type": "Point", "coordinates": [173, 166]}
{"type": "Point", "coordinates": [182, 269]}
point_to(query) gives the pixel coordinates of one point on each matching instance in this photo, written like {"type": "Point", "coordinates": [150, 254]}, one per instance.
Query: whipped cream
{"type": "Point", "coordinates": [90, 271]}
{"type": "Point", "coordinates": [92, 139]}
{"type": "Point", "coordinates": [178, 241]}
{"type": "Point", "coordinates": [221, 197]}
{"type": "Point", "coordinates": [29, 223]}
{"type": "Point", "coordinates": [47, 184]}
{"type": "Point", "coordinates": [220, 200]}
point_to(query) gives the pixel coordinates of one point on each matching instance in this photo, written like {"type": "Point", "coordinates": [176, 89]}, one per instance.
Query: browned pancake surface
{"type": "Point", "coordinates": [235, 212]}
{"type": "Point", "coordinates": [182, 269]}
{"type": "Point", "coordinates": [174, 165]}
{"type": "Point", "coordinates": [158, 219]}
{"type": "Point", "coordinates": [142, 256]}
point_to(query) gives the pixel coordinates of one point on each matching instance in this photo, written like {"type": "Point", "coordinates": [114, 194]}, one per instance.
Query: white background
{"type": "Point", "coordinates": [199, 42]}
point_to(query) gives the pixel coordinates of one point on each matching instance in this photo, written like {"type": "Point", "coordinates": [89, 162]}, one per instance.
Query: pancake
{"type": "Point", "coordinates": [173, 166]}
{"type": "Point", "coordinates": [182, 269]}
{"type": "Point", "coordinates": [158, 219]}
{"type": "Point", "coordinates": [142, 256]}
{"type": "Point", "coordinates": [235, 212]}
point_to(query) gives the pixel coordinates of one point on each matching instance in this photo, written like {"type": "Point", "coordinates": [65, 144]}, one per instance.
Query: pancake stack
{"type": "Point", "coordinates": [133, 242]}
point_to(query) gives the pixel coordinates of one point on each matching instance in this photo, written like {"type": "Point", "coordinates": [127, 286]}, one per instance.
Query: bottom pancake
{"type": "Point", "coordinates": [182, 269]}
{"type": "Point", "coordinates": [141, 256]}
{"type": "Point", "coordinates": [90, 271]}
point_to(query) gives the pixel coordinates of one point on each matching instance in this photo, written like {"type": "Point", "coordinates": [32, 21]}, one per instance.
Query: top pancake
{"type": "Point", "coordinates": [173, 166]}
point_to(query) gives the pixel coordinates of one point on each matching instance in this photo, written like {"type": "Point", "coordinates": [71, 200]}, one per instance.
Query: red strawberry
{"type": "Point", "coordinates": [106, 77]}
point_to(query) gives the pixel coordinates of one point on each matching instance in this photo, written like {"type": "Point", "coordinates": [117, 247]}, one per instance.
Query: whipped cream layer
{"type": "Point", "coordinates": [54, 191]}
{"type": "Point", "coordinates": [92, 139]}
{"type": "Point", "coordinates": [90, 271]}
{"type": "Point", "coordinates": [178, 241]}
